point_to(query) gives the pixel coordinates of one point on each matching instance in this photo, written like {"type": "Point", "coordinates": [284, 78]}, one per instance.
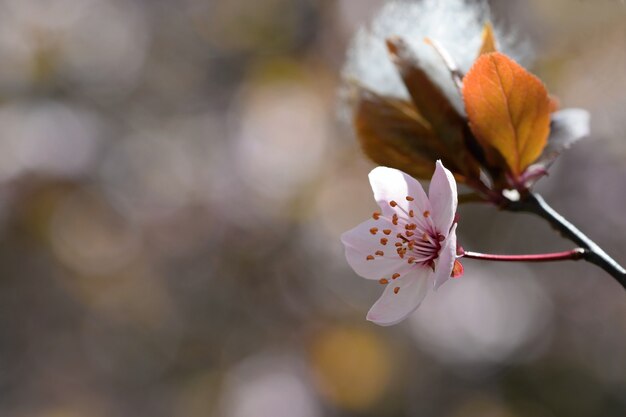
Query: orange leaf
{"type": "Point", "coordinates": [488, 40]}
{"type": "Point", "coordinates": [508, 110]}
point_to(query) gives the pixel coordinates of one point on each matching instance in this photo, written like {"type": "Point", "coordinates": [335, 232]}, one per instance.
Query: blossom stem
{"type": "Point", "coordinates": [572, 255]}
{"type": "Point", "coordinates": [593, 253]}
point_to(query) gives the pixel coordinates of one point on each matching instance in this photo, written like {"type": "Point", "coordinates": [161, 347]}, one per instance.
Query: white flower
{"type": "Point", "coordinates": [455, 24]}
{"type": "Point", "coordinates": [410, 245]}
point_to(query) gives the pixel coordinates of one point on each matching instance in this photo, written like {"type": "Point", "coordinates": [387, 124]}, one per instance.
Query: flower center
{"type": "Point", "coordinates": [416, 240]}
{"type": "Point", "coordinates": [419, 249]}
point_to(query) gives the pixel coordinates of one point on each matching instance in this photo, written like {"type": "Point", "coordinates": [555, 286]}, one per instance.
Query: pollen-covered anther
{"type": "Point", "coordinates": [383, 281]}
{"type": "Point", "coordinates": [426, 213]}
{"type": "Point", "coordinates": [376, 215]}
{"type": "Point", "coordinates": [369, 257]}
{"type": "Point", "coordinates": [383, 241]}
{"type": "Point", "coordinates": [387, 231]}
{"type": "Point", "coordinates": [409, 233]}
{"type": "Point", "coordinates": [398, 244]}
{"type": "Point", "coordinates": [410, 226]}
{"type": "Point", "coordinates": [396, 290]}
{"type": "Point", "coordinates": [410, 260]}
{"type": "Point", "coordinates": [409, 198]}
{"type": "Point", "coordinates": [411, 213]}
{"type": "Point", "coordinates": [394, 219]}
{"type": "Point", "coordinates": [374, 230]}
{"type": "Point", "coordinates": [379, 253]}
{"type": "Point", "coordinates": [392, 203]}
{"type": "Point", "coordinates": [395, 276]}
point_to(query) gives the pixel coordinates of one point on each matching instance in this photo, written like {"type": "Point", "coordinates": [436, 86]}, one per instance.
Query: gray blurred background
{"type": "Point", "coordinates": [173, 184]}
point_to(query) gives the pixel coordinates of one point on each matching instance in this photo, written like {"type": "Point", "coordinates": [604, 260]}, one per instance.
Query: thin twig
{"type": "Point", "coordinates": [570, 255]}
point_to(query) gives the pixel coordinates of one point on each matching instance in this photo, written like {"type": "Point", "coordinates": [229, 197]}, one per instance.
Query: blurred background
{"type": "Point", "coordinates": [173, 183]}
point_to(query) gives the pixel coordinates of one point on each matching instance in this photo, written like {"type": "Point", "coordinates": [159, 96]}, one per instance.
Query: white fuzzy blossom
{"type": "Point", "coordinates": [455, 24]}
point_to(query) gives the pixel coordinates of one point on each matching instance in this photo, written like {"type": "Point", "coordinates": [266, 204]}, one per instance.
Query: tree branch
{"type": "Point", "coordinates": [594, 254]}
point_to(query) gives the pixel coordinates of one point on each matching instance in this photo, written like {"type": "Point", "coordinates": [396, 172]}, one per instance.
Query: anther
{"type": "Point", "coordinates": [395, 276]}
{"type": "Point", "coordinates": [383, 281]}
{"type": "Point", "coordinates": [425, 237]}
{"type": "Point", "coordinates": [383, 240]}
{"type": "Point", "coordinates": [373, 230]}
{"type": "Point", "coordinates": [376, 215]}
{"type": "Point", "coordinates": [426, 213]}
{"type": "Point", "coordinates": [396, 290]}
{"type": "Point", "coordinates": [379, 253]}
{"type": "Point", "coordinates": [392, 203]}
{"type": "Point", "coordinates": [411, 260]}
{"type": "Point", "coordinates": [398, 244]}
{"type": "Point", "coordinates": [387, 231]}
{"type": "Point", "coordinates": [411, 213]}
{"type": "Point", "coordinates": [409, 233]}
{"type": "Point", "coordinates": [369, 258]}
{"type": "Point", "coordinates": [409, 198]}
{"type": "Point", "coordinates": [394, 219]}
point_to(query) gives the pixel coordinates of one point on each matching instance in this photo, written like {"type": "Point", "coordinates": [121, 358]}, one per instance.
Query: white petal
{"type": "Point", "coordinates": [391, 184]}
{"type": "Point", "coordinates": [443, 198]}
{"type": "Point", "coordinates": [567, 127]}
{"type": "Point", "coordinates": [392, 308]}
{"type": "Point", "coordinates": [360, 243]}
{"type": "Point", "coordinates": [445, 262]}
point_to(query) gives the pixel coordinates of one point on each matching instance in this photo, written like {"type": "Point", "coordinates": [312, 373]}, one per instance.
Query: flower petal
{"type": "Point", "coordinates": [390, 184]}
{"type": "Point", "coordinates": [391, 308]}
{"type": "Point", "coordinates": [445, 263]}
{"type": "Point", "coordinates": [361, 243]}
{"type": "Point", "coordinates": [443, 198]}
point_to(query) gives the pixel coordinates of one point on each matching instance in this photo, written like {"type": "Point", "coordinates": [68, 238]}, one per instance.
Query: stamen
{"type": "Point", "coordinates": [426, 213]}
{"type": "Point", "coordinates": [396, 290]}
{"type": "Point", "coordinates": [392, 203]}
{"type": "Point", "coordinates": [409, 198]}
{"type": "Point", "coordinates": [376, 215]}
{"type": "Point", "coordinates": [383, 281]}
{"type": "Point", "coordinates": [374, 230]}
{"type": "Point", "coordinates": [395, 276]}
{"type": "Point", "coordinates": [369, 258]}
{"type": "Point", "coordinates": [379, 253]}
{"type": "Point", "coordinates": [383, 240]}
{"type": "Point", "coordinates": [387, 231]}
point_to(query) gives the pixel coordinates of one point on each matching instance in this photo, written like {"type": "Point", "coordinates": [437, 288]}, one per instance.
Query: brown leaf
{"type": "Point", "coordinates": [435, 106]}
{"type": "Point", "coordinates": [488, 40]}
{"type": "Point", "coordinates": [393, 134]}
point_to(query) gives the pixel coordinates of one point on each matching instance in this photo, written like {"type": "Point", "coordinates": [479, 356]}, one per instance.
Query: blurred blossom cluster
{"type": "Point", "coordinates": [173, 185]}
